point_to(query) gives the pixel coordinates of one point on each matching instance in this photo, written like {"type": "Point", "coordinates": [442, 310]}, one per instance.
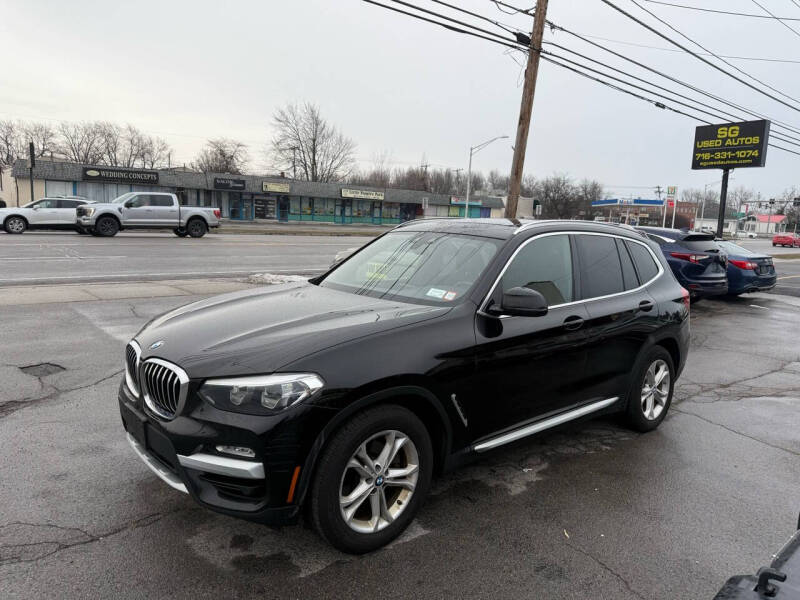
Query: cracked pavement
{"type": "Point", "coordinates": [588, 511]}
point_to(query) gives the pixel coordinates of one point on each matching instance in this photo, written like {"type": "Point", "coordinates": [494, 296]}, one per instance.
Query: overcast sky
{"type": "Point", "coordinates": [189, 71]}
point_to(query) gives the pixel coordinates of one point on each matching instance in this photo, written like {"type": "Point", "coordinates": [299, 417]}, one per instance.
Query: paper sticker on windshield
{"type": "Point", "coordinates": [436, 293]}
{"type": "Point", "coordinates": [449, 296]}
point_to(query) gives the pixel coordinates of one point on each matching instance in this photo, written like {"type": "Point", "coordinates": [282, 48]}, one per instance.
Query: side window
{"type": "Point", "coordinates": [544, 265]}
{"type": "Point", "coordinates": [601, 272]}
{"type": "Point", "coordinates": [628, 272]}
{"type": "Point", "coordinates": [156, 200]}
{"type": "Point", "coordinates": [643, 260]}
{"type": "Point", "coordinates": [138, 201]}
{"type": "Point", "coordinates": [47, 203]}
{"type": "Point", "coordinates": [68, 203]}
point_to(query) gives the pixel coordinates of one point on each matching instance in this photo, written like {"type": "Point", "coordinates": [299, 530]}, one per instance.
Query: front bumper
{"type": "Point", "coordinates": [182, 454]}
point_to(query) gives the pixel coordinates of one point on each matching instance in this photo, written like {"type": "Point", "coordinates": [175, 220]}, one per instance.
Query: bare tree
{"type": "Point", "coordinates": [81, 142]}
{"type": "Point", "coordinates": [307, 144]}
{"type": "Point", "coordinates": [16, 135]}
{"type": "Point", "coordinates": [155, 153]}
{"type": "Point", "coordinates": [559, 197]}
{"type": "Point", "coordinates": [10, 142]}
{"type": "Point", "coordinates": [43, 137]}
{"type": "Point", "coordinates": [222, 155]}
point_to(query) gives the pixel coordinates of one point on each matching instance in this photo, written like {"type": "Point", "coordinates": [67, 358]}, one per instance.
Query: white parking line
{"type": "Point", "coordinates": [60, 257]}
{"type": "Point", "coordinates": [148, 276]}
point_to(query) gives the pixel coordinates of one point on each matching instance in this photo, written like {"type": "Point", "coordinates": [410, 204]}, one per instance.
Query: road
{"type": "Point", "coordinates": [589, 511]}
{"type": "Point", "coordinates": [54, 257]}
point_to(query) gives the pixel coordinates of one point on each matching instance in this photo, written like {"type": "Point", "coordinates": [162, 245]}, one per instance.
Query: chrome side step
{"type": "Point", "coordinates": [156, 467]}
{"type": "Point", "coordinates": [522, 432]}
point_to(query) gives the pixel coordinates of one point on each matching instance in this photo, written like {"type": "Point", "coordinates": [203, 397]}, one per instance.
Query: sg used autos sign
{"type": "Point", "coordinates": [731, 145]}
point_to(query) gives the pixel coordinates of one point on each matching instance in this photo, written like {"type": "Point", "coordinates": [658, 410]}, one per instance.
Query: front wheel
{"type": "Point", "coordinates": [372, 479]}
{"type": "Point", "coordinates": [651, 390]}
{"type": "Point", "coordinates": [15, 225]}
{"type": "Point", "coordinates": [106, 226]}
{"type": "Point", "coordinates": [197, 228]}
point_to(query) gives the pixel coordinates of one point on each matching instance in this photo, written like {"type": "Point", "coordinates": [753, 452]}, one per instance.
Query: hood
{"type": "Point", "coordinates": [259, 331]}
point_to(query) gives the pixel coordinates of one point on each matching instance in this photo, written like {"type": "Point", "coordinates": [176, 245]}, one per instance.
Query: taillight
{"type": "Point", "coordinates": [695, 258]}
{"type": "Point", "coordinates": [685, 298]}
{"type": "Point", "coordinates": [743, 264]}
{"type": "Point", "coordinates": [217, 213]}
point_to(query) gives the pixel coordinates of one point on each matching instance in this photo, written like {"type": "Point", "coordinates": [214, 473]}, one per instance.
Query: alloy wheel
{"type": "Point", "coordinates": [655, 390]}
{"type": "Point", "coordinates": [378, 481]}
{"type": "Point", "coordinates": [16, 225]}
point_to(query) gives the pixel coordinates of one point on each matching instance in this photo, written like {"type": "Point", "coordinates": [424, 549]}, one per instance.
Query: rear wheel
{"type": "Point", "coordinates": [180, 232]}
{"type": "Point", "coordinates": [15, 225]}
{"type": "Point", "coordinates": [371, 479]}
{"type": "Point", "coordinates": [197, 228]}
{"type": "Point", "coordinates": [106, 226]}
{"type": "Point", "coordinates": [651, 390]}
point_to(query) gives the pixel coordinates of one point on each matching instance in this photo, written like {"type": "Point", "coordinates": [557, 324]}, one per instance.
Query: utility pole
{"type": "Point", "coordinates": [659, 191]}
{"type": "Point", "coordinates": [525, 109]}
{"type": "Point", "coordinates": [32, 162]}
{"type": "Point", "coordinates": [723, 196]}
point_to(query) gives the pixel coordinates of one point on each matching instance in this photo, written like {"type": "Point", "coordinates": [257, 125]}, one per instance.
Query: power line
{"type": "Point", "coordinates": [722, 12]}
{"type": "Point", "coordinates": [700, 58]}
{"type": "Point", "coordinates": [550, 59]}
{"type": "Point", "coordinates": [662, 48]}
{"type": "Point", "coordinates": [509, 28]}
{"type": "Point", "coordinates": [515, 10]}
{"type": "Point", "coordinates": [719, 113]}
{"type": "Point", "coordinates": [673, 79]}
{"type": "Point", "coordinates": [794, 31]}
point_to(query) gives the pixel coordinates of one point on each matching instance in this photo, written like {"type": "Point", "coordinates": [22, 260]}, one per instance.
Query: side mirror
{"type": "Point", "coordinates": [130, 203]}
{"type": "Point", "coordinates": [523, 302]}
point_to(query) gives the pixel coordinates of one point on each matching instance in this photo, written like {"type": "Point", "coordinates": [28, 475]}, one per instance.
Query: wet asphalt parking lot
{"type": "Point", "coordinates": [588, 511]}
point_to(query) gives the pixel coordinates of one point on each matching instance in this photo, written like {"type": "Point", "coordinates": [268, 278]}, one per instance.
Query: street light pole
{"type": "Point", "coordinates": [475, 150]}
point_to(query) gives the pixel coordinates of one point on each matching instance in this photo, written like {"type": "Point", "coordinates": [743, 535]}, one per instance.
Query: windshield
{"type": "Point", "coordinates": [123, 198]}
{"type": "Point", "coordinates": [415, 266]}
{"type": "Point", "coordinates": [735, 249]}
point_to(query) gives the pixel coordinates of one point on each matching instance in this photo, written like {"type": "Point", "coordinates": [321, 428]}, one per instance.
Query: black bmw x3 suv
{"type": "Point", "coordinates": [442, 339]}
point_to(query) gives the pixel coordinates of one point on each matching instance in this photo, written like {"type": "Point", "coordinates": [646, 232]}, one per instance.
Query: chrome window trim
{"type": "Point", "coordinates": [132, 379]}
{"type": "Point", "coordinates": [183, 392]}
{"type": "Point", "coordinates": [517, 434]}
{"type": "Point", "coordinates": [482, 309]}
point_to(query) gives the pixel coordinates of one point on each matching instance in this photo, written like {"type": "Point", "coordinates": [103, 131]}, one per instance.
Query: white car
{"type": "Point", "coordinates": [47, 213]}
{"type": "Point", "coordinates": [746, 234]}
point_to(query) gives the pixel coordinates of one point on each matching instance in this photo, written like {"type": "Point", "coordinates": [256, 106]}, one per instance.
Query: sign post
{"type": "Point", "coordinates": [730, 146]}
{"type": "Point", "coordinates": [32, 161]}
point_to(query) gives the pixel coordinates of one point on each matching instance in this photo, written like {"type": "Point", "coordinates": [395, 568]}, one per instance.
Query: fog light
{"type": "Point", "coordinates": [237, 451]}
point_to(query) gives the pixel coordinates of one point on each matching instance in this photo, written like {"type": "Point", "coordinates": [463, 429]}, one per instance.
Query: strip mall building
{"type": "Point", "coordinates": [242, 197]}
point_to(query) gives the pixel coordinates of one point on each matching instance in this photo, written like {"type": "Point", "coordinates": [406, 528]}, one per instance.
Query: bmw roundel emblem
{"type": "Point", "coordinates": [379, 480]}
{"type": "Point", "coordinates": [156, 345]}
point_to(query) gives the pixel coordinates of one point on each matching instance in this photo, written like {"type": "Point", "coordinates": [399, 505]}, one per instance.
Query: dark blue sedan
{"type": "Point", "coordinates": [698, 263]}
{"type": "Point", "coordinates": [748, 271]}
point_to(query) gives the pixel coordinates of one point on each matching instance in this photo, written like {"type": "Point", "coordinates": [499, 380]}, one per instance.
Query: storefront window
{"type": "Point", "coordinates": [294, 206]}
{"type": "Point", "coordinates": [323, 207]}
{"type": "Point", "coordinates": [391, 210]}
{"type": "Point", "coordinates": [305, 205]}
{"type": "Point", "coordinates": [362, 208]}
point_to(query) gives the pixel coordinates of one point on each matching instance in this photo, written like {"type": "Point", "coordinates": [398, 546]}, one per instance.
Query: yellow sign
{"type": "Point", "coordinates": [281, 188]}
{"type": "Point", "coordinates": [363, 194]}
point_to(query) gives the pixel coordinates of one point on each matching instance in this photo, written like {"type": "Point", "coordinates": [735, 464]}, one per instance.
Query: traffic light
{"type": "Point", "coordinates": [796, 202]}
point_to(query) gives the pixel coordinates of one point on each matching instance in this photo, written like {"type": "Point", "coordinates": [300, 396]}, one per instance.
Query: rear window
{"type": "Point", "coordinates": [735, 249]}
{"type": "Point", "coordinates": [601, 272]}
{"type": "Point", "coordinates": [699, 245]}
{"type": "Point", "coordinates": [645, 264]}
{"type": "Point", "coordinates": [628, 272]}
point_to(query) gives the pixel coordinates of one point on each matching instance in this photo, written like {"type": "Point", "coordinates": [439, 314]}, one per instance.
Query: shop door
{"type": "Point", "coordinates": [376, 213]}
{"type": "Point", "coordinates": [235, 204]}
{"type": "Point", "coordinates": [343, 213]}
{"type": "Point", "coordinates": [283, 209]}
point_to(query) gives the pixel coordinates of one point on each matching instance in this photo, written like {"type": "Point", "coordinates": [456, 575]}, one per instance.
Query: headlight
{"type": "Point", "coordinates": [262, 394]}
{"type": "Point", "coordinates": [87, 212]}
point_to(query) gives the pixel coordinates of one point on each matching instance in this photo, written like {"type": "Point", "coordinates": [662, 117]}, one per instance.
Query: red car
{"type": "Point", "coordinates": [786, 239]}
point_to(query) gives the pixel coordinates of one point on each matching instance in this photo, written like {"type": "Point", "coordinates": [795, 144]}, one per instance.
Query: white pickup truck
{"type": "Point", "coordinates": [146, 210]}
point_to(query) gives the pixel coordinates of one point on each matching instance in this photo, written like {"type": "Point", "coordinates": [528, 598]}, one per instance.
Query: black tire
{"type": "Point", "coordinates": [106, 226]}
{"type": "Point", "coordinates": [196, 227]}
{"type": "Point", "coordinates": [93, 232]}
{"type": "Point", "coordinates": [325, 511]}
{"type": "Point", "coordinates": [180, 232]}
{"type": "Point", "coordinates": [81, 231]}
{"type": "Point", "coordinates": [636, 406]}
{"type": "Point", "coordinates": [15, 225]}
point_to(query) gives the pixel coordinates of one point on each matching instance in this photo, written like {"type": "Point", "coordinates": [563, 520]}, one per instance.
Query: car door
{"type": "Point", "coordinates": [622, 313]}
{"type": "Point", "coordinates": [530, 367]}
{"type": "Point", "coordinates": [44, 212]}
{"type": "Point", "coordinates": [137, 210]}
{"type": "Point", "coordinates": [164, 210]}
{"type": "Point", "coordinates": [66, 212]}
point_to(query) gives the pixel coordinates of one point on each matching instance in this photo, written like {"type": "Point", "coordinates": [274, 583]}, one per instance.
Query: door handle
{"type": "Point", "coordinates": [646, 305]}
{"type": "Point", "coordinates": [572, 323]}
